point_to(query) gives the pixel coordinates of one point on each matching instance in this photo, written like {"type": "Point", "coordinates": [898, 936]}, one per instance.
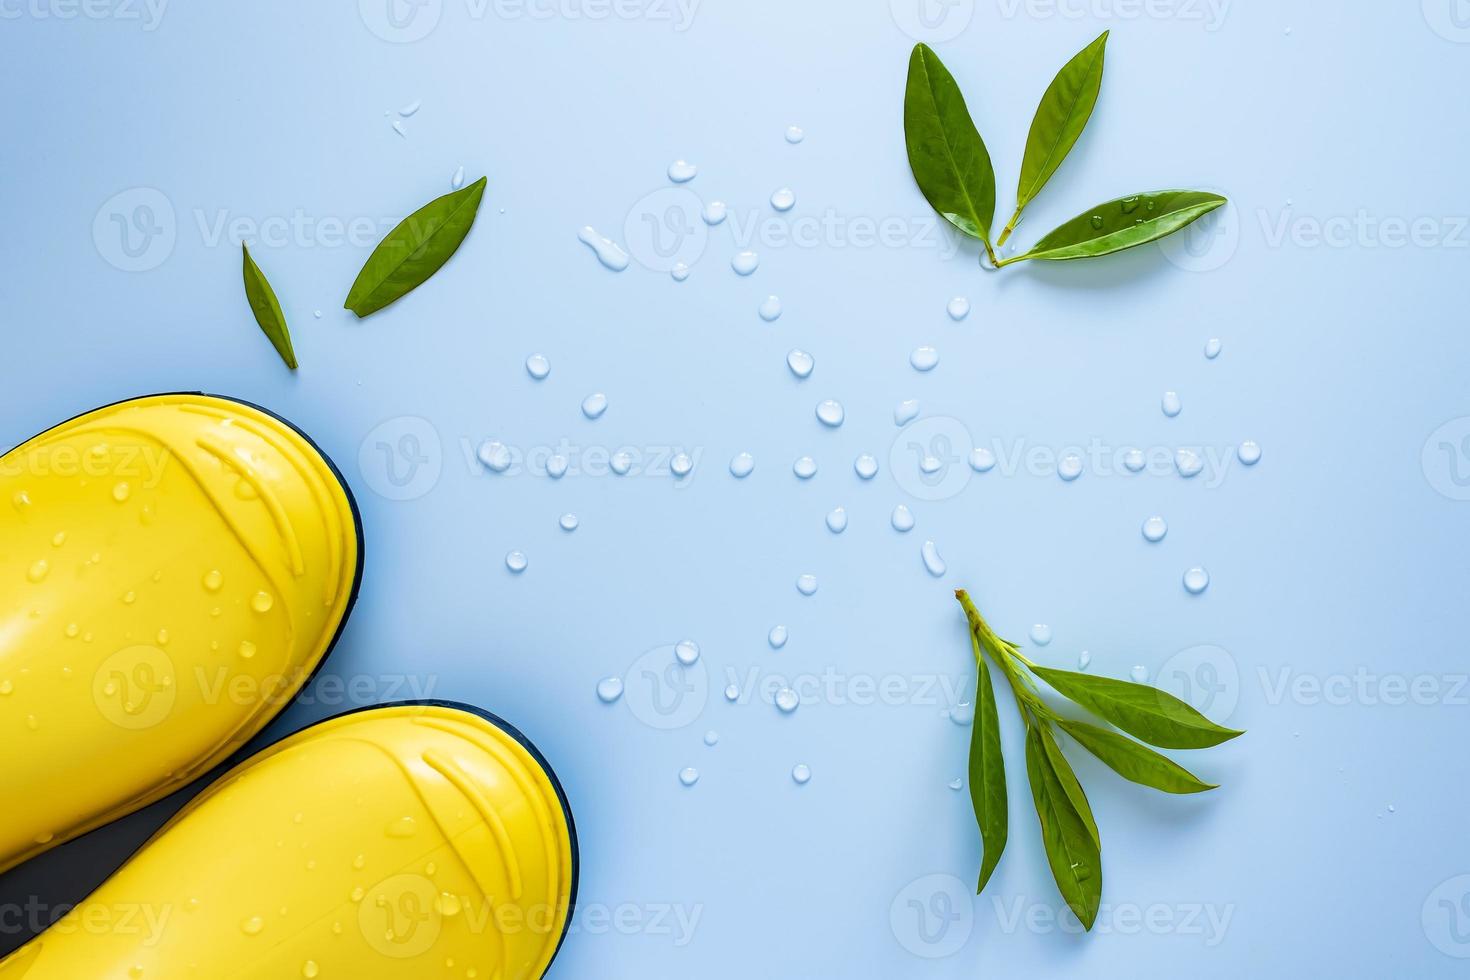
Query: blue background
{"type": "Point", "coordinates": [1341, 553]}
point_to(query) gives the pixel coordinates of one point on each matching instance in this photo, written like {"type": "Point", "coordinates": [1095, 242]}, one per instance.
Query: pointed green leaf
{"type": "Point", "coordinates": [947, 155]}
{"type": "Point", "coordinates": [1060, 118]}
{"type": "Point", "coordinates": [1134, 762]}
{"type": "Point", "coordinates": [987, 771]}
{"type": "Point", "coordinates": [267, 310]}
{"type": "Point", "coordinates": [1121, 224]}
{"type": "Point", "coordinates": [1068, 779]}
{"type": "Point", "coordinates": [1144, 712]}
{"type": "Point", "coordinates": [1074, 856]}
{"type": "Point", "coordinates": [415, 250]}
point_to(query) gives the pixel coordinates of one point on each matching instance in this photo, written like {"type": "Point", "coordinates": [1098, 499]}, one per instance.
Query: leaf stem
{"type": "Point", "coordinates": [995, 263]}
{"type": "Point", "coordinates": [1010, 227]}
{"type": "Point", "coordinates": [1005, 654]}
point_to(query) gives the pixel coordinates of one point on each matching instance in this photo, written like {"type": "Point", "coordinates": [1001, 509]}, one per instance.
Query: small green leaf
{"type": "Point", "coordinates": [1068, 779]}
{"type": "Point", "coordinates": [987, 771]}
{"type": "Point", "coordinates": [947, 155]}
{"type": "Point", "coordinates": [1134, 762]}
{"type": "Point", "coordinates": [1144, 712]}
{"type": "Point", "coordinates": [267, 310]}
{"type": "Point", "coordinates": [1124, 223]}
{"type": "Point", "coordinates": [1071, 850]}
{"type": "Point", "coordinates": [1060, 119]}
{"type": "Point", "coordinates": [415, 250]}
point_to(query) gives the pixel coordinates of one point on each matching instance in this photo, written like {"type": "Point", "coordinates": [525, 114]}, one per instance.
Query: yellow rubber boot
{"type": "Point", "coordinates": [172, 570]}
{"type": "Point", "coordinates": [408, 841]}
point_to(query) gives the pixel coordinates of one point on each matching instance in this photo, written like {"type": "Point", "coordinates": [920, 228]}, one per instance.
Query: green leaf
{"type": "Point", "coordinates": [1068, 779]}
{"type": "Point", "coordinates": [415, 250]}
{"type": "Point", "coordinates": [1132, 761]}
{"type": "Point", "coordinates": [1071, 850]}
{"type": "Point", "coordinates": [267, 309]}
{"type": "Point", "coordinates": [1144, 712]}
{"type": "Point", "coordinates": [1060, 119]}
{"type": "Point", "coordinates": [1124, 223]}
{"type": "Point", "coordinates": [987, 771]}
{"type": "Point", "coordinates": [947, 155]}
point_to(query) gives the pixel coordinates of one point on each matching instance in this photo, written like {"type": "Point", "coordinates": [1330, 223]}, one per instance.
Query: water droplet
{"type": "Point", "coordinates": [770, 308]}
{"type": "Point", "coordinates": [609, 689]}
{"type": "Point", "coordinates": [982, 460]}
{"type": "Point", "coordinates": [262, 602]}
{"type": "Point", "coordinates": [457, 181]}
{"type": "Point", "coordinates": [1041, 634]}
{"type": "Point", "coordinates": [1084, 659]}
{"type": "Point", "coordinates": [837, 520]}
{"type": "Point", "coordinates": [865, 466]}
{"type": "Point", "coordinates": [783, 199]}
{"type": "Point", "coordinates": [929, 465]}
{"type": "Point", "coordinates": [403, 827]}
{"type": "Point", "coordinates": [924, 358]}
{"type": "Point", "coordinates": [795, 134]}
{"type": "Point", "coordinates": [39, 570]}
{"type": "Point", "coordinates": [1154, 529]}
{"type": "Point", "coordinates": [1196, 580]}
{"type": "Point", "coordinates": [246, 649]}
{"type": "Point", "coordinates": [963, 714]}
{"type": "Point", "coordinates": [805, 468]}
{"type": "Point", "coordinates": [682, 171]}
{"type": "Point", "coordinates": [777, 637]}
{"type": "Point", "coordinates": [310, 970]}
{"type": "Point", "coordinates": [1188, 463]}
{"type": "Point", "coordinates": [902, 519]}
{"type": "Point", "coordinates": [58, 539]}
{"type": "Point", "coordinates": [252, 926]}
{"type": "Point", "coordinates": [714, 212]}
{"type": "Point", "coordinates": [411, 108]}
{"type": "Point", "coordinates": [516, 561]}
{"type": "Point", "coordinates": [20, 501]}
{"type": "Point", "coordinates": [932, 561]}
{"type": "Point", "coordinates": [787, 700]}
{"type": "Point", "coordinates": [1212, 348]}
{"type": "Point", "coordinates": [801, 774]}
{"type": "Point", "coordinates": [6, 687]}
{"type": "Point", "coordinates": [1130, 204]}
{"type": "Point", "coordinates": [732, 693]}
{"type": "Point", "coordinates": [213, 580]}
{"type": "Point", "coordinates": [1133, 460]}
{"type": "Point", "coordinates": [609, 253]}
{"type": "Point", "coordinates": [1139, 673]}
{"type": "Point", "coordinates": [711, 737]}
{"type": "Point", "coordinates": [1097, 221]}
{"type": "Point", "coordinates": [958, 308]}
{"type": "Point", "coordinates": [742, 465]}
{"type": "Point", "coordinates": [1070, 467]}
{"type": "Point", "coordinates": [905, 412]}
{"type": "Point", "coordinates": [689, 776]}
{"type": "Point", "coordinates": [556, 467]}
{"type": "Point", "coordinates": [621, 462]}
{"type": "Point", "coordinates": [680, 271]}
{"type": "Point", "coordinates": [538, 367]}
{"type": "Point", "coordinates": [807, 584]}
{"type": "Point", "coordinates": [744, 263]}
{"type": "Point", "coordinates": [681, 465]}
{"type": "Point", "coordinates": [800, 362]}
{"type": "Point", "coordinates": [1171, 404]}
{"type": "Point", "coordinates": [568, 521]}
{"type": "Point", "coordinates": [687, 652]}
{"type": "Point", "coordinates": [399, 128]}
{"type": "Point", "coordinates": [121, 492]}
{"type": "Point", "coordinates": [956, 784]}
{"type": "Point", "coordinates": [1249, 453]}
{"type": "Point", "coordinates": [830, 413]}
{"type": "Point", "coordinates": [594, 405]}
{"type": "Point", "coordinates": [495, 455]}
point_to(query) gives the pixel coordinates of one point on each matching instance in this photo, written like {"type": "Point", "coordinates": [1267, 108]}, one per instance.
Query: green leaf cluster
{"type": "Point", "coordinates": [1068, 830]}
{"type": "Point", "coordinates": [954, 172]}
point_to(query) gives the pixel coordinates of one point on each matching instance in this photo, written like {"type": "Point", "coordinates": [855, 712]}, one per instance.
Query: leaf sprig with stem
{"type": "Point", "coordinates": [1068, 830]}
{"type": "Point", "coordinates": [954, 172]}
